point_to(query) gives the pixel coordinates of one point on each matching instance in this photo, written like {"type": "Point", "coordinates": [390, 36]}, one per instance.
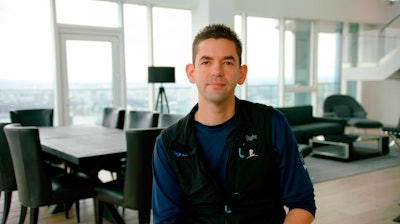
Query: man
{"type": "Point", "coordinates": [228, 160]}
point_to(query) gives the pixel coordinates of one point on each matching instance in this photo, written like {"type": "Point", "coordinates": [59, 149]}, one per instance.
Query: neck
{"type": "Point", "coordinates": [212, 114]}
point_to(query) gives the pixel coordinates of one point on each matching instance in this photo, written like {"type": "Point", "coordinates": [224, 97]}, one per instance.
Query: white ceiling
{"type": "Point", "coordinates": [356, 11]}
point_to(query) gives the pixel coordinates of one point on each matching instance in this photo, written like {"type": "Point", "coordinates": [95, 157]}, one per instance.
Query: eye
{"type": "Point", "coordinates": [205, 62]}
{"type": "Point", "coordinates": [228, 63]}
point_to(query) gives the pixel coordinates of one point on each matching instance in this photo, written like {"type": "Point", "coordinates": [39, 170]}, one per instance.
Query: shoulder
{"type": "Point", "coordinates": [252, 107]}
{"type": "Point", "coordinates": [178, 131]}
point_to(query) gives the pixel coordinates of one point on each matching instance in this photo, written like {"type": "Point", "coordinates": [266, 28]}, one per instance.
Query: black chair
{"type": "Point", "coordinates": [113, 117]}
{"type": "Point", "coordinates": [33, 117]}
{"type": "Point", "coordinates": [394, 134]}
{"type": "Point", "coordinates": [347, 108]}
{"type": "Point", "coordinates": [141, 119]}
{"type": "Point", "coordinates": [39, 118]}
{"type": "Point", "coordinates": [7, 176]}
{"type": "Point", "coordinates": [37, 185]}
{"type": "Point", "coordinates": [134, 192]}
{"type": "Point", "coordinates": [166, 120]}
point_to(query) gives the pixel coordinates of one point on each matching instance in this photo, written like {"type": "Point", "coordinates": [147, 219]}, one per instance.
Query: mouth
{"type": "Point", "coordinates": [216, 84]}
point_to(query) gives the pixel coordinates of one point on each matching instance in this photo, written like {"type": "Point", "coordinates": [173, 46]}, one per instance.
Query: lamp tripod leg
{"type": "Point", "coordinates": [160, 99]}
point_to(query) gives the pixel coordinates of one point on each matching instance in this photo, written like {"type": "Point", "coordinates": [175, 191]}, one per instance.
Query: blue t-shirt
{"type": "Point", "coordinates": [212, 139]}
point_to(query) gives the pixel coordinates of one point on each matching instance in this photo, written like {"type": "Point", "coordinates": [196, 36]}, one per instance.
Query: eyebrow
{"type": "Point", "coordinates": [225, 58]}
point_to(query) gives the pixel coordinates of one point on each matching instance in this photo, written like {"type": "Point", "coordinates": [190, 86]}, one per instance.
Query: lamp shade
{"type": "Point", "coordinates": [161, 74]}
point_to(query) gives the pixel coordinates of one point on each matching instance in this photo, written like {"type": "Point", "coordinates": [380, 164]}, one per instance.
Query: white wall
{"type": "Point", "coordinates": [381, 100]}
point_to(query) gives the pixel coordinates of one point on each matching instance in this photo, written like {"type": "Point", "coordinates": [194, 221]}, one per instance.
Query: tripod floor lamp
{"type": "Point", "coordinates": [161, 75]}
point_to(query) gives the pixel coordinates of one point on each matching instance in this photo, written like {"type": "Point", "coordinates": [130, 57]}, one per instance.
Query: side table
{"type": "Point", "coordinates": [350, 147]}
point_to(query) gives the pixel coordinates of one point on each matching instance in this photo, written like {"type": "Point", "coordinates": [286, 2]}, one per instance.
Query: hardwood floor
{"type": "Point", "coordinates": [370, 198]}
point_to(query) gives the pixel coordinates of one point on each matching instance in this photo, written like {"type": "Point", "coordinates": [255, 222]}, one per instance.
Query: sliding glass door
{"type": "Point", "coordinates": [91, 76]}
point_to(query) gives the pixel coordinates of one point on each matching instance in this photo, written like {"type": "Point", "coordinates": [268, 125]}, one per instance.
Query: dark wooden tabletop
{"type": "Point", "coordinates": [83, 146]}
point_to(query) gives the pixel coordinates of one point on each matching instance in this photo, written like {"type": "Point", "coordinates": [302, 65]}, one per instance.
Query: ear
{"type": "Point", "coordinates": [190, 73]}
{"type": "Point", "coordinates": [243, 74]}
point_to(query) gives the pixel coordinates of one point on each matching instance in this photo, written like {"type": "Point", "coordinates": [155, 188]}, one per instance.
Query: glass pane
{"type": "Point", "coordinates": [352, 88]}
{"type": "Point", "coordinates": [89, 66]}
{"type": "Point", "coordinates": [263, 60]}
{"type": "Point", "coordinates": [238, 30]}
{"type": "Point", "coordinates": [26, 60]}
{"type": "Point", "coordinates": [172, 47]}
{"type": "Point", "coordinates": [328, 66]}
{"type": "Point", "coordinates": [87, 12]}
{"type": "Point", "coordinates": [297, 99]}
{"type": "Point", "coordinates": [136, 56]}
{"type": "Point", "coordinates": [297, 53]}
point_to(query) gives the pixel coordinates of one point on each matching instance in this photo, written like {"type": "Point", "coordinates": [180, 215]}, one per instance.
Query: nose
{"type": "Point", "coordinates": [217, 70]}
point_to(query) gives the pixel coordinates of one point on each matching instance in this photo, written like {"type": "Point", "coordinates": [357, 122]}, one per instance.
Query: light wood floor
{"type": "Point", "coordinates": [370, 198]}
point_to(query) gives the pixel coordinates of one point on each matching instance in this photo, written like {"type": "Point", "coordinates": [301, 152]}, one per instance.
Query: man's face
{"type": "Point", "coordinates": [216, 71]}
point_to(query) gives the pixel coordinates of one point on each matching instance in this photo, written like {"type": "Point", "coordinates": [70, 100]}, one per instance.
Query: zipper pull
{"type": "Point", "coordinates": [227, 210]}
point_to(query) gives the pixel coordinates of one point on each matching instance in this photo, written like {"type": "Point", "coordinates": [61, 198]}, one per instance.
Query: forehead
{"type": "Point", "coordinates": [216, 48]}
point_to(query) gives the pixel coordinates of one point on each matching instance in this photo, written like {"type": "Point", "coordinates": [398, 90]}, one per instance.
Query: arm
{"type": "Point", "coordinates": [166, 189]}
{"type": "Point", "coordinates": [298, 216]}
{"type": "Point", "coordinates": [297, 188]}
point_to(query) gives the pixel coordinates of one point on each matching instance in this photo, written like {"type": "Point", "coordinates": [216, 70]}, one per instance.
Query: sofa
{"type": "Point", "coordinates": [305, 125]}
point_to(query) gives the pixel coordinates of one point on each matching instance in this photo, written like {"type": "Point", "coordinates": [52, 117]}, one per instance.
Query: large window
{"type": "Point", "coordinates": [90, 66]}
{"type": "Point", "coordinates": [26, 56]}
{"type": "Point", "coordinates": [172, 47]}
{"type": "Point", "coordinates": [328, 69]}
{"type": "Point", "coordinates": [291, 72]}
{"type": "Point", "coordinates": [263, 60]}
{"type": "Point", "coordinates": [297, 64]}
{"type": "Point", "coordinates": [90, 78]}
{"type": "Point", "coordinates": [136, 56]}
{"type": "Point", "coordinates": [302, 82]}
{"type": "Point", "coordinates": [87, 12]}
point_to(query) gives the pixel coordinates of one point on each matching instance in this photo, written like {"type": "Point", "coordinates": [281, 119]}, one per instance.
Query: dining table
{"type": "Point", "coordinates": [87, 149]}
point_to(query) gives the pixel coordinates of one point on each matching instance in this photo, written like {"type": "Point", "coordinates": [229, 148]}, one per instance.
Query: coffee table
{"type": "Point", "coordinates": [349, 146]}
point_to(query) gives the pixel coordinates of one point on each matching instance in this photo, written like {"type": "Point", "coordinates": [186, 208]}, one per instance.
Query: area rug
{"type": "Point", "coordinates": [322, 169]}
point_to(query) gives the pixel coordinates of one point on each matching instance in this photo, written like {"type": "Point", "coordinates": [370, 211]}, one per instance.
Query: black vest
{"type": "Point", "coordinates": [253, 194]}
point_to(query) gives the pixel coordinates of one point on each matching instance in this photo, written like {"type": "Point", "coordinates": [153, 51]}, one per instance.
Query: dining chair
{"type": "Point", "coordinates": [36, 185]}
{"type": "Point", "coordinates": [7, 176]}
{"type": "Point", "coordinates": [166, 120]}
{"type": "Point", "coordinates": [113, 117]}
{"type": "Point", "coordinates": [134, 192]}
{"type": "Point", "coordinates": [42, 117]}
{"type": "Point", "coordinates": [141, 119]}
{"type": "Point", "coordinates": [138, 119]}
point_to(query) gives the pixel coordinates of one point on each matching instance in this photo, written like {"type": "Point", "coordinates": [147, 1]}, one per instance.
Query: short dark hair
{"type": "Point", "coordinates": [217, 31]}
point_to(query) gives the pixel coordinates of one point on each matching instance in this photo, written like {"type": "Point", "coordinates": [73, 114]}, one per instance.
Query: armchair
{"type": "Point", "coordinates": [348, 109]}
